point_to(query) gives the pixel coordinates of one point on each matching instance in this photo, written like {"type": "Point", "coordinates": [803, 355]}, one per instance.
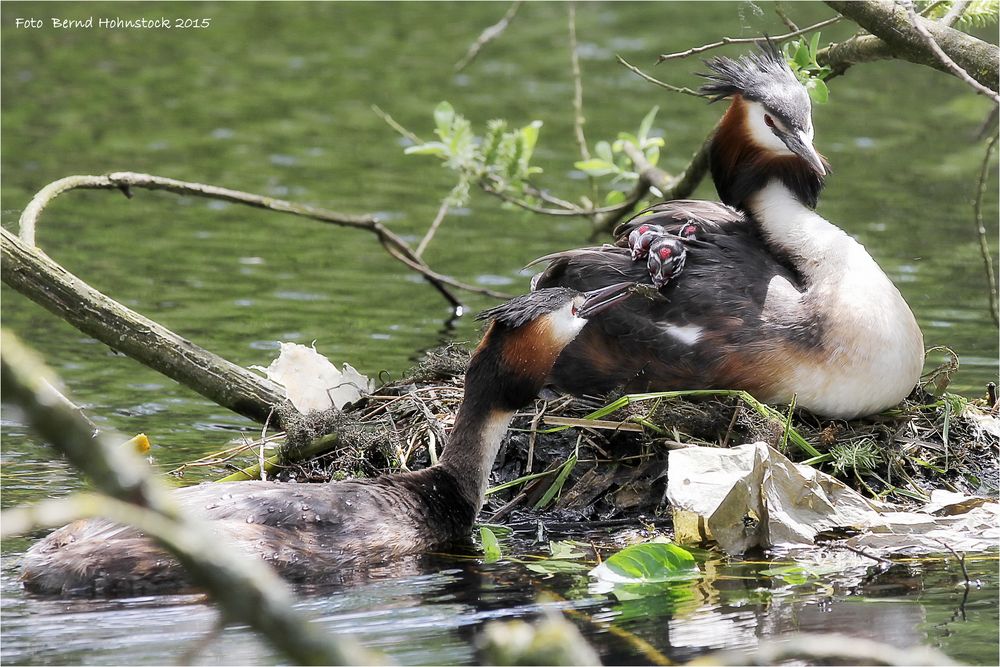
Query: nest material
{"type": "Point", "coordinates": [623, 473]}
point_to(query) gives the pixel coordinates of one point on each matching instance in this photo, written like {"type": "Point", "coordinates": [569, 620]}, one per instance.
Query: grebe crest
{"type": "Point", "coordinates": [767, 131]}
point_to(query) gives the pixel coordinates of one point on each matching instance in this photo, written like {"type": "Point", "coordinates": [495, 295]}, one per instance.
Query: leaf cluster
{"type": "Point", "coordinates": [612, 159]}
{"type": "Point", "coordinates": [801, 57]}
{"type": "Point", "coordinates": [977, 13]}
{"type": "Point", "coordinates": [500, 158]}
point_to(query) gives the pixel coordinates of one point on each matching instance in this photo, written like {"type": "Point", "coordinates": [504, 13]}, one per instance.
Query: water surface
{"type": "Point", "coordinates": [276, 99]}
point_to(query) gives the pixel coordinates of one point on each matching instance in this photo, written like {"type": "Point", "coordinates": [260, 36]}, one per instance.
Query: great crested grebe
{"type": "Point", "coordinates": [774, 299]}
{"type": "Point", "coordinates": [307, 530]}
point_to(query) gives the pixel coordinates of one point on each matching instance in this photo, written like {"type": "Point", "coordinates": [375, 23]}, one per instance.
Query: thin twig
{"type": "Point", "coordinates": [943, 57]}
{"type": "Point", "coordinates": [438, 219]}
{"type": "Point", "coordinates": [578, 119]}
{"type": "Point", "coordinates": [954, 12]}
{"type": "Point", "coordinates": [745, 40]}
{"type": "Point", "coordinates": [670, 87]}
{"type": "Point", "coordinates": [789, 23]}
{"type": "Point", "coordinates": [391, 122]}
{"type": "Point", "coordinates": [984, 246]}
{"type": "Point", "coordinates": [488, 35]}
{"type": "Point", "coordinates": [576, 211]}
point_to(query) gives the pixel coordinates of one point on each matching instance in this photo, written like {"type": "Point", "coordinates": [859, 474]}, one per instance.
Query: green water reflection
{"type": "Point", "coordinates": [276, 98]}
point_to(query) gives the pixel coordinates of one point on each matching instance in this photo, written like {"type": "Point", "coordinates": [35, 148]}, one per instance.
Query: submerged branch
{"type": "Point", "coordinates": [48, 284]}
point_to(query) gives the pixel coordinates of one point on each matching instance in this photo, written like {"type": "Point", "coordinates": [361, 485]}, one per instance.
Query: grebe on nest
{"type": "Point", "coordinates": [774, 299]}
{"type": "Point", "coordinates": [307, 530]}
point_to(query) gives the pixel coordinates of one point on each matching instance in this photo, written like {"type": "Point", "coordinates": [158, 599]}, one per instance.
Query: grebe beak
{"type": "Point", "coordinates": [802, 147]}
{"type": "Point", "coordinates": [601, 299]}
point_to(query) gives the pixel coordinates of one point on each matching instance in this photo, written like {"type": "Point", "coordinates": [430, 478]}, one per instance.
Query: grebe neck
{"type": "Point", "coordinates": [473, 447]}
{"type": "Point", "coordinates": [815, 246]}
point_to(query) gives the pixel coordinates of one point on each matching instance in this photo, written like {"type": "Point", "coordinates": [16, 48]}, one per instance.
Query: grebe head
{"type": "Point", "coordinates": [776, 110]}
{"type": "Point", "coordinates": [524, 338]}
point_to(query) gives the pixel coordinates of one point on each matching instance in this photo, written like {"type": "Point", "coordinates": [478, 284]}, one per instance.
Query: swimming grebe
{"type": "Point", "coordinates": [308, 530]}
{"type": "Point", "coordinates": [774, 299]}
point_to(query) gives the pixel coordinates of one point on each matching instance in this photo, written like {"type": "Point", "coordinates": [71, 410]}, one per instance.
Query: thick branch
{"type": "Point", "coordinates": [34, 274]}
{"type": "Point", "coordinates": [893, 36]}
{"type": "Point", "coordinates": [246, 590]}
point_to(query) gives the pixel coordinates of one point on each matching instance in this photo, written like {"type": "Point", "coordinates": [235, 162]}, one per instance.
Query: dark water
{"type": "Point", "coordinates": [276, 99]}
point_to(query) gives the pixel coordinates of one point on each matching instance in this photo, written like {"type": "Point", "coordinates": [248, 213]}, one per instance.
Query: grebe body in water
{"type": "Point", "coordinates": [307, 530]}
{"type": "Point", "coordinates": [773, 298]}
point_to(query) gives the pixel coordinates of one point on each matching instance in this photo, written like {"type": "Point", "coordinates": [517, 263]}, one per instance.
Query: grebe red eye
{"type": "Point", "coordinates": [768, 120]}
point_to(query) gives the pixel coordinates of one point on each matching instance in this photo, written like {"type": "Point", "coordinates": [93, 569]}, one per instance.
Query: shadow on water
{"type": "Point", "coordinates": [276, 98]}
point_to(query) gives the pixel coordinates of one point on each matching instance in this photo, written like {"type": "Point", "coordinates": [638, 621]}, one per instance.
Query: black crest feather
{"type": "Point", "coordinates": [750, 75]}
{"type": "Point", "coordinates": [522, 309]}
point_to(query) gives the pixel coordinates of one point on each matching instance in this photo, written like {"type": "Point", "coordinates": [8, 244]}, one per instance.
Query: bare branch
{"type": "Point", "coordinates": [670, 87]}
{"type": "Point", "coordinates": [391, 122]}
{"type": "Point", "coordinates": [745, 40]}
{"type": "Point", "coordinates": [984, 246]}
{"type": "Point", "coordinates": [124, 181]}
{"type": "Point", "coordinates": [488, 35]}
{"type": "Point", "coordinates": [435, 223]}
{"type": "Point", "coordinates": [951, 65]}
{"type": "Point", "coordinates": [789, 23]}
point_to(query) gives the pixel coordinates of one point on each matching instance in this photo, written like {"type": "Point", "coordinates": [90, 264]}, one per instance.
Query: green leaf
{"type": "Point", "coordinates": [491, 547]}
{"type": "Point", "coordinates": [603, 151]}
{"type": "Point", "coordinates": [651, 562]}
{"type": "Point", "coordinates": [556, 567]}
{"type": "Point", "coordinates": [595, 167]}
{"type": "Point", "coordinates": [647, 124]}
{"type": "Point", "coordinates": [818, 91]}
{"type": "Point", "coordinates": [430, 148]}
{"type": "Point", "coordinates": [813, 47]}
{"type": "Point", "coordinates": [565, 550]}
{"type": "Point", "coordinates": [557, 485]}
{"type": "Point", "coordinates": [444, 114]}
{"type": "Point", "coordinates": [652, 154]}
{"type": "Point", "coordinates": [529, 135]}
{"type": "Point", "coordinates": [614, 198]}
{"type": "Point", "coordinates": [802, 55]}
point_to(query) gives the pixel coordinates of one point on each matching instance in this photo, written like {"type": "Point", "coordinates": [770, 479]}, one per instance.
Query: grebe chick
{"type": "Point", "coordinates": [307, 530]}
{"type": "Point", "coordinates": [774, 299]}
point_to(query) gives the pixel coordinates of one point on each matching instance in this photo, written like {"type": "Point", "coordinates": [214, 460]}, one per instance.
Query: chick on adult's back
{"type": "Point", "coordinates": [773, 298]}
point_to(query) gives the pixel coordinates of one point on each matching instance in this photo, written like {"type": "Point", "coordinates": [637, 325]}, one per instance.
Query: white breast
{"type": "Point", "coordinates": [872, 348]}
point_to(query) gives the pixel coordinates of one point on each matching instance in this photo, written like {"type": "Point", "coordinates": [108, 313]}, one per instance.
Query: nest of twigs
{"type": "Point", "coordinates": [614, 467]}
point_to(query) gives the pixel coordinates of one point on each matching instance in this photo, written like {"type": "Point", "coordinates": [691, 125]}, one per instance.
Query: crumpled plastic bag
{"type": "Point", "coordinates": [753, 496]}
{"type": "Point", "coordinates": [311, 382]}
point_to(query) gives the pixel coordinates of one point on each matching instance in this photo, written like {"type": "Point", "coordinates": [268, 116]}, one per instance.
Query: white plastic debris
{"type": "Point", "coordinates": [311, 382]}
{"type": "Point", "coordinates": [753, 496]}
